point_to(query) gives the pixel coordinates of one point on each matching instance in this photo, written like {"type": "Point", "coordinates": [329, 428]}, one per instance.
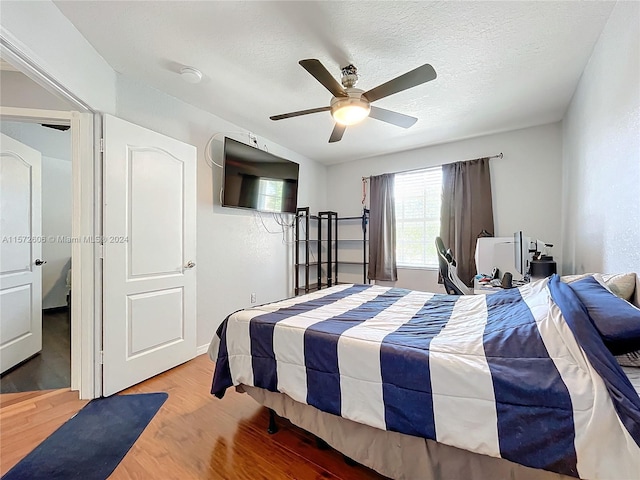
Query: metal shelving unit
{"type": "Point", "coordinates": [329, 220]}
{"type": "Point", "coordinates": [302, 218]}
{"type": "Point", "coordinates": [364, 219]}
{"type": "Point", "coordinates": [326, 224]}
{"type": "Point", "coordinates": [326, 245]}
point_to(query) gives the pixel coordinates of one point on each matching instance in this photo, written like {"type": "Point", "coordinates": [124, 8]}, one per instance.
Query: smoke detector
{"type": "Point", "coordinates": [190, 74]}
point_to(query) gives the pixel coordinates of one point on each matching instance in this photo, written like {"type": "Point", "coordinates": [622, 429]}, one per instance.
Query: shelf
{"type": "Point", "coordinates": [327, 248]}
{"type": "Point", "coordinates": [315, 240]}
{"type": "Point", "coordinates": [350, 218]}
{"type": "Point", "coordinates": [312, 288]}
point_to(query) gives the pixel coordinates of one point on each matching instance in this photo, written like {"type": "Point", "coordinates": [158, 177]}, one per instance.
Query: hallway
{"type": "Point", "coordinates": [51, 368]}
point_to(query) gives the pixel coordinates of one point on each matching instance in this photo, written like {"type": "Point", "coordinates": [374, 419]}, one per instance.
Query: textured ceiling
{"type": "Point", "coordinates": [500, 65]}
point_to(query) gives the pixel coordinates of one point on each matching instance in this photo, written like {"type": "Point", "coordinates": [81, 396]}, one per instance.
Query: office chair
{"type": "Point", "coordinates": [452, 284]}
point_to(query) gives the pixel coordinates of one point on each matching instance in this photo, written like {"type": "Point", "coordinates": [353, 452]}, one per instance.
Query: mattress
{"type": "Point", "coordinates": [521, 375]}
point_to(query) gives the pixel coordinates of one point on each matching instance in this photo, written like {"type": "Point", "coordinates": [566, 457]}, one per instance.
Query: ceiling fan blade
{"type": "Point", "coordinates": [395, 118]}
{"type": "Point", "coordinates": [337, 133]}
{"type": "Point", "coordinates": [320, 73]}
{"type": "Point", "coordinates": [300, 112]}
{"type": "Point", "coordinates": [415, 77]}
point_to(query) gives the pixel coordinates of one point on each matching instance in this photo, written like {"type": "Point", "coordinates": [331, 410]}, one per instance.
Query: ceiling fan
{"type": "Point", "coordinates": [351, 105]}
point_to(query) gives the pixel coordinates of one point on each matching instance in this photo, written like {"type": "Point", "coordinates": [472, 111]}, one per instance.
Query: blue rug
{"type": "Point", "coordinates": [91, 444]}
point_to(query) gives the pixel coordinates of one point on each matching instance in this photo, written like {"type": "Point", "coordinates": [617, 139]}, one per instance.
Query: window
{"type": "Point", "coordinates": [270, 195]}
{"type": "Point", "coordinates": [418, 196]}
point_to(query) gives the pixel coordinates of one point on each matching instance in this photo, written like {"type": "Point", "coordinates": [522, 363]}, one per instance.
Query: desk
{"type": "Point", "coordinates": [484, 288]}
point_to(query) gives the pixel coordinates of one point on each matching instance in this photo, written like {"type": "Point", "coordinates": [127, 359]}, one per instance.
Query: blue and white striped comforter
{"type": "Point", "coordinates": [508, 375]}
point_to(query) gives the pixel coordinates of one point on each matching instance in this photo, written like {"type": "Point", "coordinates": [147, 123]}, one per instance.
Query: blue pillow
{"type": "Point", "coordinates": [617, 321]}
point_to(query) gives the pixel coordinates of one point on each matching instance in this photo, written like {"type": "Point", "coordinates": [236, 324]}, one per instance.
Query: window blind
{"type": "Point", "coordinates": [418, 197]}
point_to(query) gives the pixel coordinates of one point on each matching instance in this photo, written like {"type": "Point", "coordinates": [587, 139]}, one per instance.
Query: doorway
{"type": "Point", "coordinates": [125, 343]}
{"type": "Point", "coordinates": [29, 95]}
{"type": "Point", "coordinates": [50, 367]}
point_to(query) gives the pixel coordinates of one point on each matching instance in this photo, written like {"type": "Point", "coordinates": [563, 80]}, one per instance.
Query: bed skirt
{"type": "Point", "coordinates": [393, 454]}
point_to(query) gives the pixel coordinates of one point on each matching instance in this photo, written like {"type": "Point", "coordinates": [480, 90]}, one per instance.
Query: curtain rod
{"type": "Point", "coordinates": [499, 155]}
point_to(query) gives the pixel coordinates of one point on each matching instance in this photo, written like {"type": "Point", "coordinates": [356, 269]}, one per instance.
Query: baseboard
{"type": "Point", "coordinates": [202, 349]}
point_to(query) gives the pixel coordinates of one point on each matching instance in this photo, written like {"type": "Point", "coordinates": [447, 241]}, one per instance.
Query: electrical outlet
{"type": "Point", "coordinates": [253, 298]}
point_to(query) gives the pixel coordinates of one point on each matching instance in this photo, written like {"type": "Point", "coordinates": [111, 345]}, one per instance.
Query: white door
{"type": "Point", "coordinates": [20, 250]}
{"type": "Point", "coordinates": [149, 279]}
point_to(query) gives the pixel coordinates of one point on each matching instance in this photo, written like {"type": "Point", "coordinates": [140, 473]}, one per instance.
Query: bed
{"type": "Point", "coordinates": [520, 384]}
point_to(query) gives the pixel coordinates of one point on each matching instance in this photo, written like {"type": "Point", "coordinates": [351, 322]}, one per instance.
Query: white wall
{"type": "Point", "coordinates": [48, 141]}
{"type": "Point", "coordinates": [17, 90]}
{"type": "Point", "coordinates": [235, 255]}
{"type": "Point", "coordinates": [601, 133]}
{"type": "Point", "coordinates": [45, 36]}
{"type": "Point", "coordinates": [55, 147]}
{"type": "Point", "coordinates": [56, 222]}
{"type": "Point", "coordinates": [525, 184]}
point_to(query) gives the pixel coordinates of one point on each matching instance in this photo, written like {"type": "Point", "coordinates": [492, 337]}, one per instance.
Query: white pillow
{"type": "Point", "coordinates": [575, 278]}
{"type": "Point", "coordinates": [620, 284]}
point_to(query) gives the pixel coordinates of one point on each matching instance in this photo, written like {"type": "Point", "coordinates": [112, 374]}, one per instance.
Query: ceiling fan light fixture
{"type": "Point", "coordinates": [349, 110]}
{"type": "Point", "coordinates": [351, 105]}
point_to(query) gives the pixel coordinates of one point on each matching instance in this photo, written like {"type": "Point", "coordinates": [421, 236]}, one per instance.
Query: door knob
{"type": "Point", "coordinates": [39, 262]}
{"type": "Point", "coordinates": [190, 265]}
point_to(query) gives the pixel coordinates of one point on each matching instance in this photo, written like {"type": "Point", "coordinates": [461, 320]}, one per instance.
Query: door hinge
{"type": "Point", "coordinates": [101, 357]}
{"type": "Point", "coordinates": [102, 145]}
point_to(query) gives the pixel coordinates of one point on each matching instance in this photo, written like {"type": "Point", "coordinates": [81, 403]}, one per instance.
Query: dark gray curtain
{"type": "Point", "coordinates": [467, 210]}
{"type": "Point", "coordinates": [382, 229]}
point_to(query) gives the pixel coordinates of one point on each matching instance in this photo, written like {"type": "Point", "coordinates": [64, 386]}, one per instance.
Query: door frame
{"type": "Point", "coordinates": [86, 167]}
{"type": "Point", "coordinates": [85, 251]}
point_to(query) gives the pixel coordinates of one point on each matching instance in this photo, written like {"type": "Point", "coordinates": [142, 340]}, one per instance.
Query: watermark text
{"type": "Point", "coordinates": [99, 239]}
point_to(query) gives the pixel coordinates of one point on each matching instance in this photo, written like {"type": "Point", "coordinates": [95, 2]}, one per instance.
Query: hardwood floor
{"type": "Point", "coordinates": [26, 419]}
{"type": "Point", "coordinates": [193, 436]}
{"type": "Point", "coordinates": [51, 368]}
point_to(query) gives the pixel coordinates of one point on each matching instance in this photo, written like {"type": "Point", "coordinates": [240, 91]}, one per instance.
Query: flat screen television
{"type": "Point", "coordinates": [257, 180]}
